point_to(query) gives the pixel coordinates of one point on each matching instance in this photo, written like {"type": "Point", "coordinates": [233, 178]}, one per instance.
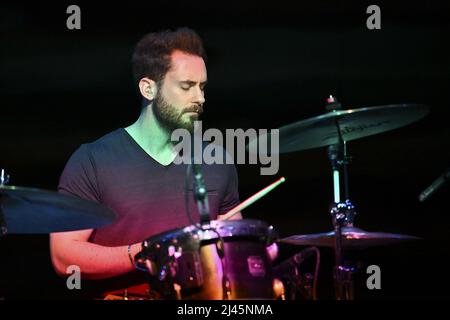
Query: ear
{"type": "Point", "coordinates": [148, 88]}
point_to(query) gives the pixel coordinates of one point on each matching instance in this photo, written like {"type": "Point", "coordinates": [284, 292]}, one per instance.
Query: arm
{"type": "Point", "coordinates": [231, 197]}
{"type": "Point", "coordinates": [79, 179]}
{"type": "Point", "coordinates": [95, 261]}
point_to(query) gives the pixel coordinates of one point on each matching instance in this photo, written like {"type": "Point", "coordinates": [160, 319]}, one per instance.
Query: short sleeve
{"type": "Point", "coordinates": [79, 177]}
{"type": "Point", "coordinates": [231, 198]}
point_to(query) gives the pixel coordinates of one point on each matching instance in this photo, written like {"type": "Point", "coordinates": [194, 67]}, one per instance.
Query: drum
{"type": "Point", "coordinates": [224, 260]}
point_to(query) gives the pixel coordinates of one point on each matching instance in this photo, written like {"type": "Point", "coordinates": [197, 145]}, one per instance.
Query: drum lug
{"type": "Point", "coordinates": [278, 289]}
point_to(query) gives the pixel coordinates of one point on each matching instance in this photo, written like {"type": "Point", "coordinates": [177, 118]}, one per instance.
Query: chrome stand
{"type": "Point", "coordinates": [342, 213]}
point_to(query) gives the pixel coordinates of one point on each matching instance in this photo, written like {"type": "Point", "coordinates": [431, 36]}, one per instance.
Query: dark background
{"type": "Point", "coordinates": [269, 65]}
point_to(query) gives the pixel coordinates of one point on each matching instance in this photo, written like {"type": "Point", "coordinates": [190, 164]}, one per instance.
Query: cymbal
{"type": "Point", "coordinates": [322, 131]}
{"type": "Point", "coordinates": [351, 238]}
{"type": "Point", "coordinates": [29, 210]}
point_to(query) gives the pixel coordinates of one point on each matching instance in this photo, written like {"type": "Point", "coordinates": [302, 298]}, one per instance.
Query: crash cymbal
{"type": "Point", "coordinates": [351, 238]}
{"type": "Point", "coordinates": [322, 130]}
{"type": "Point", "coordinates": [28, 210]}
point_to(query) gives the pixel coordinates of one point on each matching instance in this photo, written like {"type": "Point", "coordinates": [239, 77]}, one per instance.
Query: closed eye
{"type": "Point", "coordinates": [186, 85]}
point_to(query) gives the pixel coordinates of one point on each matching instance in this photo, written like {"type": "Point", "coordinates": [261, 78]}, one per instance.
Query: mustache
{"type": "Point", "coordinates": [197, 108]}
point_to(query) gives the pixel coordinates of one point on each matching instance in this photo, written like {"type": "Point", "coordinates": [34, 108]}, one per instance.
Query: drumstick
{"type": "Point", "coordinates": [253, 199]}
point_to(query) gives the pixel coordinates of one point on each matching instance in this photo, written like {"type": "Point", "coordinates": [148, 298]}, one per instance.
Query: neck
{"type": "Point", "coordinates": [152, 137]}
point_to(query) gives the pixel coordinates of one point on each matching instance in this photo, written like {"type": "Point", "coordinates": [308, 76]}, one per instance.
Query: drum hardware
{"type": "Point", "coordinates": [439, 182]}
{"type": "Point", "coordinates": [352, 238]}
{"type": "Point", "coordinates": [4, 179]}
{"type": "Point", "coordinates": [333, 130]}
{"type": "Point", "coordinates": [299, 287]}
{"type": "Point", "coordinates": [342, 213]}
{"type": "Point", "coordinates": [199, 188]}
{"type": "Point", "coordinates": [321, 131]}
{"type": "Point", "coordinates": [33, 211]}
{"type": "Point", "coordinates": [3, 227]}
{"type": "Point", "coordinates": [37, 211]}
{"type": "Point", "coordinates": [289, 272]}
{"type": "Point", "coordinates": [228, 261]}
{"type": "Point", "coordinates": [200, 194]}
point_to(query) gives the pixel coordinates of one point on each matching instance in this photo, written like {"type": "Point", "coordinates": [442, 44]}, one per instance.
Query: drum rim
{"type": "Point", "coordinates": [260, 230]}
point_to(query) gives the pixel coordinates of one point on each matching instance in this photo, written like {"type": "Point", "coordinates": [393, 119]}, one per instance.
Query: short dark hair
{"type": "Point", "coordinates": [151, 57]}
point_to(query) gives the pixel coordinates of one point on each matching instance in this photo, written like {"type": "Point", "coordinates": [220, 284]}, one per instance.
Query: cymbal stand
{"type": "Point", "coordinates": [342, 212]}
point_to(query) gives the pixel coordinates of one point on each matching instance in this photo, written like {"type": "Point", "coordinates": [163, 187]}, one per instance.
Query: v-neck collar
{"type": "Point", "coordinates": [133, 141]}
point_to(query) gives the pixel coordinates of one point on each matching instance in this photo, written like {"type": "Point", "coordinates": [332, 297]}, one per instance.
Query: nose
{"type": "Point", "coordinates": [199, 96]}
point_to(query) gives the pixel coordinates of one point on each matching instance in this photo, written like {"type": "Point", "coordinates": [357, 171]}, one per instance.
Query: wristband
{"type": "Point", "coordinates": [130, 256]}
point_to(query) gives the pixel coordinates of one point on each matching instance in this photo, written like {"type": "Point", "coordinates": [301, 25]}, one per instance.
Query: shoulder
{"type": "Point", "coordinates": [80, 173]}
{"type": "Point", "coordinates": [106, 142]}
{"type": "Point", "coordinates": [89, 153]}
{"type": "Point", "coordinates": [99, 147]}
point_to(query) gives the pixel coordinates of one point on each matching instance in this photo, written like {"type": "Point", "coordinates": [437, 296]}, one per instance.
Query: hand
{"type": "Point", "coordinates": [272, 251]}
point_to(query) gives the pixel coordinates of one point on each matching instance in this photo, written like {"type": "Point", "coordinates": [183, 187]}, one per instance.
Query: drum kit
{"type": "Point", "coordinates": [231, 259]}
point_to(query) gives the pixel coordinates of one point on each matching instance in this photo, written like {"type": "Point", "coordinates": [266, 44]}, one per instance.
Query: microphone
{"type": "Point", "coordinates": [289, 266]}
{"type": "Point", "coordinates": [435, 185]}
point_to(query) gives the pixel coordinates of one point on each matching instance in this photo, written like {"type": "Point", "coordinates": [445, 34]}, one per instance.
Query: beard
{"type": "Point", "coordinates": [171, 118]}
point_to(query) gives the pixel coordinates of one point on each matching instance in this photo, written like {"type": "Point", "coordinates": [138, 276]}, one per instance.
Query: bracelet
{"type": "Point", "coordinates": [129, 255]}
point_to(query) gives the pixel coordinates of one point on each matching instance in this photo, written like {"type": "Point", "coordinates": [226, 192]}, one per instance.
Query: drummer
{"type": "Point", "coordinates": [131, 170]}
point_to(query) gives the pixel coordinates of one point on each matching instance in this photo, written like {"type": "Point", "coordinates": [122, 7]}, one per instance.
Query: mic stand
{"type": "Point", "coordinates": [200, 195]}
{"type": "Point", "coordinates": [342, 212]}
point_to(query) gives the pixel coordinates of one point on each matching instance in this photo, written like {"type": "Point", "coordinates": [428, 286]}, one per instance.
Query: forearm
{"type": "Point", "coordinates": [95, 261]}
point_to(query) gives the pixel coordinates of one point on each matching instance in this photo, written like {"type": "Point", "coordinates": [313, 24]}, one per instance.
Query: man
{"type": "Point", "coordinates": [131, 170]}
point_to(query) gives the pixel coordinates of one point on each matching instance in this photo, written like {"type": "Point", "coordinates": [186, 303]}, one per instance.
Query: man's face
{"type": "Point", "coordinates": [180, 99]}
